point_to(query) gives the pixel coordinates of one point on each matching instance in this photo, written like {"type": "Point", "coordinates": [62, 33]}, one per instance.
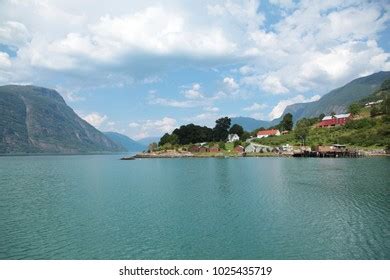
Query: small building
{"type": "Point", "coordinates": [239, 149]}
{"type": "Point", "coordinates": [194, 149]}
{"type": "Point", "coordinates": [370, 104]}
{"type": "Point", "coordinates": [233, 137]}
{"type": "Point", "coordinates": [214, 149]}
{"type": "Point", "coordinates": [335, 120]}
{"type": "Point", "coordinates": [286, 148]}
{"type": "Point", "coordinates": [266, 133]}
{"type": "Point", "coordinates": [284, 132]}
{"type": "Point", "coordinates": [257, 148]}
{"type": "Point", "coordinates": [203, 149]}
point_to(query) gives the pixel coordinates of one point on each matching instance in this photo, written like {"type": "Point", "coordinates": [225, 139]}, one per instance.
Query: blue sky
{"type": "Point", "coordinates": [143, 69]}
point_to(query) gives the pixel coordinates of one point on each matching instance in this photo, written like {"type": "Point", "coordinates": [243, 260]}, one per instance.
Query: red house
{"type": "Point", "coordinates": [336, 120]}
{"type": "Point", "coordinates": [203, 149]}
{"type": "Point", "coordinates": [214, 149]}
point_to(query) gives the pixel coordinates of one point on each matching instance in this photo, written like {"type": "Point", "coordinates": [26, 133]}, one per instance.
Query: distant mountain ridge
{"type": "Point", "coordinates": [149, 140]}
{"type": "Point", "coordinates": [339, 99]}
{"type": "Point", "coordinates": [129, 144]}
{"type": "Point", "coordinates": [336, 101]}
{"type": "Point", "coordinates": [37, 120]}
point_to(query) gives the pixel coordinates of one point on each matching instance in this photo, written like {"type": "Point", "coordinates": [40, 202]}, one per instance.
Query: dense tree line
{"type": "Point", "coordinates": [191, 133]}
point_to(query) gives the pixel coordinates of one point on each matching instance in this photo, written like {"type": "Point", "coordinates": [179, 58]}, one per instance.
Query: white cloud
{"type": "Point", "coordinates": [278, 110]}
{"type": "Point", "coordinates": [246, 70]}
{"type": "Point", "coordinates": [230, 84]}
{"type": "Point", "coordinates": [14, 33]}
{"type": "Point", "coordinates": [319, 45]}
{"type": "Point", "coordinates": [177, 103]}
{"type": "Point", "coordinates": [134, 124]}
{"type": "Point", "coordinates": [211, 109]}
{"type": "Point", "coordinates": [273, 84]}
{"type": "Point", "coordinates": [255, 107]}
{"type": "Point", "coordinates": [282, 3]}
{"type": "Point", "coordinates": [147, 128]}
{"type": "Point", "coordinates": [194, 92]}
{"type": "Point", "coordinates": [95, 119]}
{"type": "Point", "coordinates": [5, 61]}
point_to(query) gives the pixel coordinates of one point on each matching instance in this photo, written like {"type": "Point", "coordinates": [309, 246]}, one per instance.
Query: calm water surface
{"type": "Point", "coordinates": [98, 207]}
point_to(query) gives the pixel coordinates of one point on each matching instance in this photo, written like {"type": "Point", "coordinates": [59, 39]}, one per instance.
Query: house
{"type": "Point", "coordinates": [203, 149]}
{"type": "Point", "coordinates": [370, 104]}
{"type": "Point", "coordinates": [284, 132]}
{"type": "Point", "coordinates": [266, 133]}
{"type": "Point", "coordinates": [257, 148]}
{"type": "Point", "coordinates": [194, 149]}
{"type": "Point", "coordinates": [335, 120]}
{"type": "Point", "coordinates": [233, 137]}
{"type": "Point", "coordinates": [214, 149]}
{"type": "Point", "coordinates": [287, 148]}
{"type": "Point", "coordinates": [239, 149]}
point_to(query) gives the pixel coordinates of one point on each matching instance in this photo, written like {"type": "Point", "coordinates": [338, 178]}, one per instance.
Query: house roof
{"type": "Point", "coordinates": [268, 132]}
{"type": "Point", "coordinates": [340, 116]}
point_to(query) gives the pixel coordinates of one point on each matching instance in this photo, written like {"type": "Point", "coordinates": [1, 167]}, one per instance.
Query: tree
{"type": "Point", "coordinates": [167, 138]}
{"type": "Point", "coordinates": [354, 108]}
{"type": "Point", "coordinates": [220, 131]}
{"type": "Point", "coordinates": [321, 116]}
{"type": "Point", "coordinates": [191, 133]}
{"type": "Point", "coordinates": [302, 129]}
{"type": "Point", "coordinates": [287, 122]}
{"type": "Point", "coordinates": [385, 108]}
{"type": "Point", "coordinates": [236, 129]}
{"type": "Point", "coordinates": [374, 111]}
{"type": "Point", "coordinates": [245, 136]}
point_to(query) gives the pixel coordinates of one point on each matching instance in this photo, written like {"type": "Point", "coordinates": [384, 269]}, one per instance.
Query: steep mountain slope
{"type": "Point", "coordinates": [129, 144]}
{"type": "Point", "coordinates": [37, 120]}
{"type": "Point", "coordinates": [339, 99]}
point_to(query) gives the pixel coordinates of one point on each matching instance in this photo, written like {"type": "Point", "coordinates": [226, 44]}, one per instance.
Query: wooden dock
{"type": "Point", "coordinates": [328, 154]}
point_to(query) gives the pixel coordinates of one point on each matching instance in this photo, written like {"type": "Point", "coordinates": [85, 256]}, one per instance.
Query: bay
{"type": "Point", "coordinates": [98, 207]}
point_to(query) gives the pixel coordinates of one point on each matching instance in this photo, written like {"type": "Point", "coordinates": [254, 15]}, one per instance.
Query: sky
{"type": "Point", "coordinates": [143, 68]}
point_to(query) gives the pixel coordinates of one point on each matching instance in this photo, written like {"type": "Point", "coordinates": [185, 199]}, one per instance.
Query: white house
{"type": "Point", "coordinates": [233, 137]}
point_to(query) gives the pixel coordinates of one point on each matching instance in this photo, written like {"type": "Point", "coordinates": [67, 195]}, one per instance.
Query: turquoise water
{"type": "Point", "coordinates": [98, 207]}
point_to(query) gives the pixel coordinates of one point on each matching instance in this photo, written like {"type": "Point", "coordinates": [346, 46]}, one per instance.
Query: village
{"type": "Point", "coordinates": [254, 145]}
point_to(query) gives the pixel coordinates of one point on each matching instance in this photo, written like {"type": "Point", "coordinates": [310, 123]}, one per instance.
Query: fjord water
{"type": "Point", "coordinates": [98, 207]}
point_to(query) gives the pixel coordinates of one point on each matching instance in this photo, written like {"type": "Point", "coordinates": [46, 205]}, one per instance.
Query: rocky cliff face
{"type": "Point", "coordinates": [37, 120]}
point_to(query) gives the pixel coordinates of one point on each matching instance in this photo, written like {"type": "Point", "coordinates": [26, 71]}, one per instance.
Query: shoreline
{"type": "Point", "coordinates": [224, 156]}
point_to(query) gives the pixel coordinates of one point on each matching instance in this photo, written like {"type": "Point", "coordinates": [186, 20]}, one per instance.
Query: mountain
{"type": "Point", "coordinates": [339, 99]}
{"type": "Point", "coordinates": [250, 124]}
{"type": "Point", "coordinates": [37, 120]}
{"type": "Point", "coordinates": [382, 93]}
{"type": "Point", "coordinates": [148, 140]}
{"type": "Point", "coordinates": [122, 140]}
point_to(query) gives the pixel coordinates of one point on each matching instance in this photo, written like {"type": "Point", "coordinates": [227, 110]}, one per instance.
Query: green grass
{"type": "Point", "coordinates": [363, 132]}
